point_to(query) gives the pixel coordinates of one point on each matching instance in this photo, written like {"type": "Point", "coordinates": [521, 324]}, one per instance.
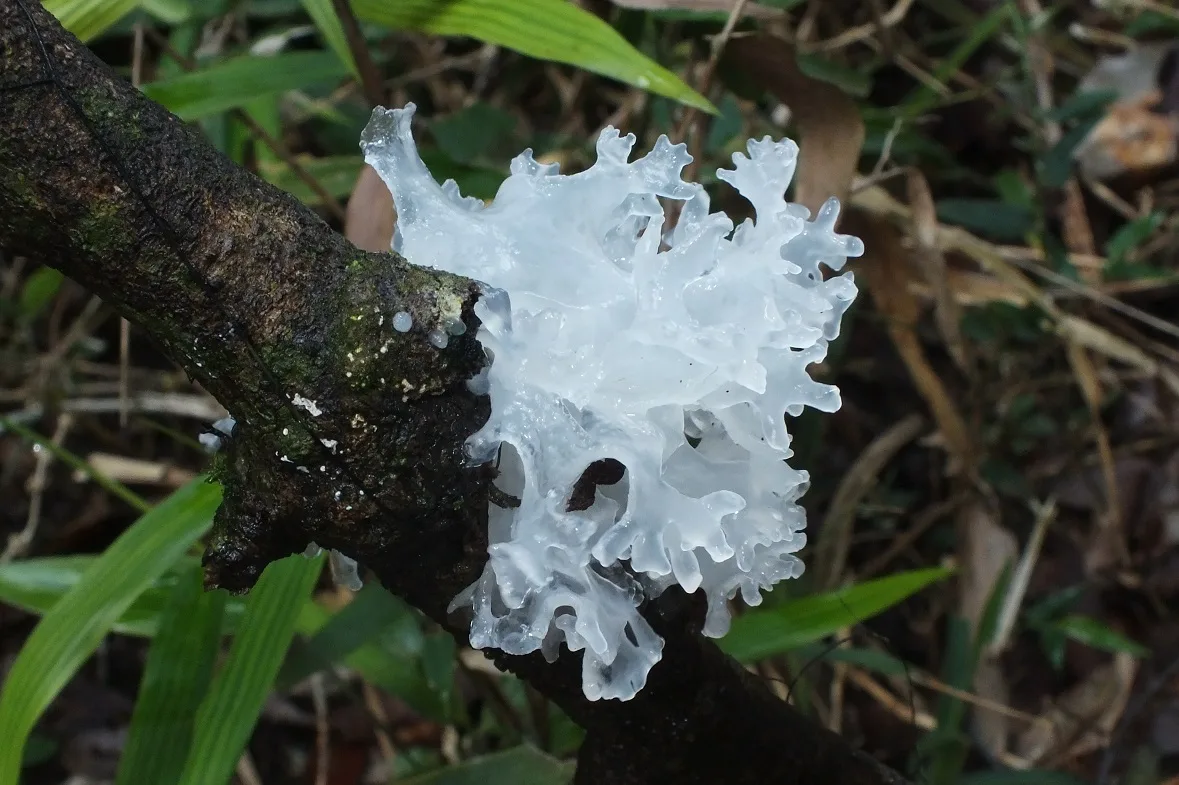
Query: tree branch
{"type": "Point", "coordinates": [349, 433]}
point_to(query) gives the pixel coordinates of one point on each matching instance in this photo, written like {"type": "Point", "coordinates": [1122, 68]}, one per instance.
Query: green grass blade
{"type": "Point", "coordinates": [267, 113]}
{"type": "Point", "coordinates": [1092, 632]}
{"type": "Point", "coordinates": [361, 621]}
{"type": "Point", "coordinates": [766, 632]}
{"type": "Point", "coordinates": [522, 764]}
{"type": "Point", "coordinates": [113, 487]}
{"type": "Point", "coordinates": [924, 98]}
{"type": "Point", "coordinates": [38, 290]}
{"type": "Point", "coordinates": [170, 12]}
{"type": "Point", "coordinates": [555, 30]}
{"type": "Point", "coordinates": [36, 585]}
{"type": "Point", "coordinates": [236, 82]}
{"type": "Point", "coordinates": [944, 750]}
{"type": "Point", "coordinates": [227, 715]}
{"type": "Point", "coordinates": [88, 19]}
{"type": "Point", "coordinates": [865, 659]}
{"type": "Point", "coordinates": [179, 668]}
{"type": "Point", "coordinates": [390, 658]}
{"type": "Point", "coordinates": [378, 636]}
{"type": "Point", "coordinates": [72, 630]}
{"type": "Point", "coordinates": [328, 23]}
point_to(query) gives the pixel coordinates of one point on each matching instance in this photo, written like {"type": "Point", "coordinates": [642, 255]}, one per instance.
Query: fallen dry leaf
{"type": "Point", "coordinates": [1140, 131]}
{"type": "Point", "coordinates": [991, 729]}
{"type": "Point", "coordinates": [1108, 548]}
{"type": "Point", "coordinates": [1085, 333]}
{"type": "Point", "coordinates": [878, 202]}
{"type": "Point", "coordinates": [986, 550]}
{"type": "Point", "coordinates": [370, 213]}
{"type": "Point", "coordinates": [1080, 720]}
{"type": "Point", "coordinates": [973, 289]}
{"type": "Point", "coordinates": [933, 267]}
{"type": "Point", "coordinates": [830, 130]}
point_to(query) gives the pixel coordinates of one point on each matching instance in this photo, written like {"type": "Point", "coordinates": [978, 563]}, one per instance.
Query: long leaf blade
{"type": "Point", "coordinates": [390, 656]}
{"type": "Point", "coordinates": [766, 632]}
{"type": "Point", "coordinates": [179, 668]}
{"type": "Point", "coordinates": [227, 715]}
{"type": "Point", "coordinates": [359, 622]}
{"type": "Point", "coordinates": [555, 30]}
{"type": "Point", "coordinates": [1093, 633]}
{"type": "Point", "coordinates": [36, 585]}
{"type": "Point", "coordinates": [113, 487]}
{"type": "Point", "coordinates": [517, 765]}
{"type": "Point", "coordinates": [236, 82]}
{"type": "Point", "coordinates": [88, 19]}
{"type": "Point", "coordinates": [72, 630]}
{"type": "Point", "coordinates": [324, 15]}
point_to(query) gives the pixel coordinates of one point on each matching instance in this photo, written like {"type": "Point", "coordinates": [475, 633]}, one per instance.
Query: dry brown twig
{"type": "Point", "coordinates": [830, 552]}
{"type": "Point", "coordinates": [195, 406]}
{"type": "Point", "coordinates": [323, 745]}
{"type": "Point", "coordinates": [902, 542]}
{"type": "Point", "coordinates": [370, 75]}
{"type": "Point", "coordinates": [689, 129]}
{"type": "Point", "coordinates": [247, 771]}
{"type": "Point", "coordinates": [134, 471]}
{"type": "Point", "coordinates": [838, 688]}
{"type": "Point", "coordinates": [932, 264]}
{"type": "Point", "coordinates": [376, 708]}
{"type": "Point", "coordinates": [1068, 326]}
{"type": "Point", "coordinates": [885, 269]}
{"type": "Point", "coordinates": [18, 543]}
{"type": "Point", "coordinates": [890, 18]}
{"type": "Point", "coordinates": [1020, 578]}
{"type": "Point", "coordinates": [1078, 237]}
{"type": "Point", "coordinates": [1089, 292]}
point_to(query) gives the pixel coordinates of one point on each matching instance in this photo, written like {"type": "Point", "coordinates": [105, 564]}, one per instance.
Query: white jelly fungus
{"type": "Point", "coordinates": [676, 353]}
{"type": "Point", "coordinates": [307, 404]}
{"type": "Point", "coordinates": [222, 429]}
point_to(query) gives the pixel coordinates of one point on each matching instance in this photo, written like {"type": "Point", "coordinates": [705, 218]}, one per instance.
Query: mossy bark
{"type": "Point", "coordinates": [349, 434]}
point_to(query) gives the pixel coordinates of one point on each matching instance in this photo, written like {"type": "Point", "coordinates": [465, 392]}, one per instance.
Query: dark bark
{"type": "Point", "coordinates": [268, 308]}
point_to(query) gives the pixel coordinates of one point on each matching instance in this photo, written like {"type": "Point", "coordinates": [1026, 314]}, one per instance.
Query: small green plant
{"type": "Point", "coordinates": [1053, 620]}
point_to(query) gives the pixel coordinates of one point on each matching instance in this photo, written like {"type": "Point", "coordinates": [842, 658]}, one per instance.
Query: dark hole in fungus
{"type": "Point", "coordinates": [606, 471]}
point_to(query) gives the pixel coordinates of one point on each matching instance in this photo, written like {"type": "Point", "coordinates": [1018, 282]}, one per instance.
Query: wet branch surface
{"type": "Point", "coordinates": [349, 433]}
